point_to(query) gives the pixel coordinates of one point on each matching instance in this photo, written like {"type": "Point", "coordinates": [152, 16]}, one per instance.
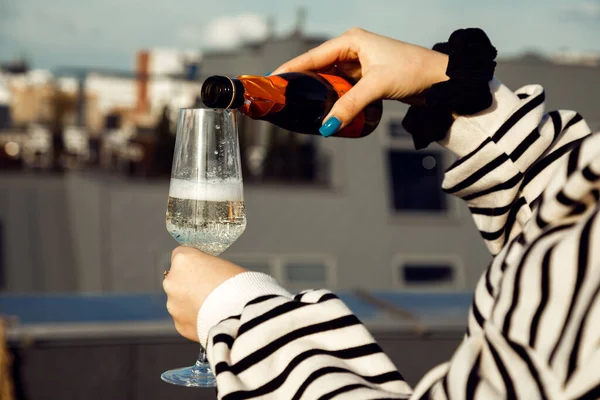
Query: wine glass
{"type": "Point", "coordinates": [205, 209]}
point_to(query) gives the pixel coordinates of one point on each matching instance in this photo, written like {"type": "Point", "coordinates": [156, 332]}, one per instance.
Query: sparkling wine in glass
{"type": "Point", "coordinates": [205, 209]}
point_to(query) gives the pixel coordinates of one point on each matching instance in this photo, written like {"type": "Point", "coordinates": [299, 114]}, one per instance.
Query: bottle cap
{"type": "Point", "coordinates": [218, 92]}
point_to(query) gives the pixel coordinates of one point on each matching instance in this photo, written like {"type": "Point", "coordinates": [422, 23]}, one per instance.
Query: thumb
{"type": "Point", "coordinates": [367, 90]}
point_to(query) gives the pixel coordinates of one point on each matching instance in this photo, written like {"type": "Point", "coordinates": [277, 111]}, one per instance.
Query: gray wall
{"type": "Point", "coordinates": [38, 246]}
{"type": "Point", "coordinates": [567, 87]}
{"type": "Point", "coordinates": [257, 60]}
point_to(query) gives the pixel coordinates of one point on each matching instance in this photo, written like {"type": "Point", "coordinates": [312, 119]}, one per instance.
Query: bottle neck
{"type": "Point", "coordinates": [222, 92]}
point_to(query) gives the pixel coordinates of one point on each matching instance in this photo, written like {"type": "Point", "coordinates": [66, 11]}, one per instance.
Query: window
{"type": "Point", "coordinates": [112, 121]}
{"type": "Point", "coordinates": [416, 179]}
{"type": "Point", "coordinates": [305, 272]}
{"type": "Point", "coordinates": [257, 262]}
{"type": "Point", "coordinates": [5, 119]}
{"type": "Point", "coordinates": [294, 271]}
{"type": "Point", "coordinates": [272, 155]}
{"type": "Point", "coordinates": [427, 273]}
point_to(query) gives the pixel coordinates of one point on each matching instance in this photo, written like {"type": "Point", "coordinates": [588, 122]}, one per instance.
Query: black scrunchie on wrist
{"type": "Point", "coordinates": [470, 68]}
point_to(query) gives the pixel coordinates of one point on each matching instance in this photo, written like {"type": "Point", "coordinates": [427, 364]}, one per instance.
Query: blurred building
{"type": "Point", "coordinates": [86, 112]}
{"type": "Point", "coordinates": [5, 100]}
{"type": "Point", "coordinates": [31, 93]}
{"type": "Point", "coordinates": [167, 78]}
{"type": "Point", "coordinates": [160, 78]}
{"type": "Point", "coordinates": [368, 213]}
{"type": "Point", "coordinates": [582, 58]}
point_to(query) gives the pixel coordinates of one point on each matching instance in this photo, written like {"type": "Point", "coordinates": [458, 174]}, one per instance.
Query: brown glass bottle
{"type": "Point", "coordinates": [294, 101]}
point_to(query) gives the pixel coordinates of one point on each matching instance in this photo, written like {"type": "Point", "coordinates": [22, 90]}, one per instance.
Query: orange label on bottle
{"type": "Point", "coordinates": [355, 127]}
{"type": "Point", "coordinates": [264, 95]}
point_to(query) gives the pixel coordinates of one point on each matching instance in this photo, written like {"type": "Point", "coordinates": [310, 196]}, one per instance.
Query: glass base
{"type": "Point", "coordinates": [199, 375]}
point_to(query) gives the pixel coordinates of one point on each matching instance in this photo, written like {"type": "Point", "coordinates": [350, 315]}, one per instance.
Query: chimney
{"type": "Point", "coordinates": [81, 100]}
{"type": "Point", "coordinates": [300, 21]}
{"type": "Point", "coordinates": [270, 27]}
{"type": "Point", "coordinates": [142, 75]}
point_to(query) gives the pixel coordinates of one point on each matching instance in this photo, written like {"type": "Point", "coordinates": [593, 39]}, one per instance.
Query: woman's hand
{"type": "Point", "coordinates": [385, 68]}
{"type": "Point", "coordinates": [192, 277]}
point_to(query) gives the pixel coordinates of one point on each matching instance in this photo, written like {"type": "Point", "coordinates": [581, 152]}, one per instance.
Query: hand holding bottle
{"type": "Point", "coordinates": [385, 68]}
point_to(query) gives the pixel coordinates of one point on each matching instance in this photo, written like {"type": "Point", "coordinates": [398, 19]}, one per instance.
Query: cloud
{"type": "Point", "coordinates": [586, 10]}
{"type": "Point", "coordinates": [190, 35]}
{"type": "Point", "coordinates": [109, 32]}
{"type": "Point", "coordinates": [231, 31]}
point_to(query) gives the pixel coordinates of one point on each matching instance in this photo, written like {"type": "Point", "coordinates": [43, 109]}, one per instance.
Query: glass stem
{"type": "Point", "coordinates": [202, 356]}
{"type": "Point", "coordinates": [202, 366]}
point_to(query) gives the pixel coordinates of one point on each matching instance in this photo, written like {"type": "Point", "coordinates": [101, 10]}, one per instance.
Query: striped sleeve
{"type": "Point", "coordinates": [532, 182]}
{"type": "Point", "coordinates": [507, 155]}
{"type": "Point", "coordinates": [309, 347]}
{"type": "Point", "coordinates": [532, 326]}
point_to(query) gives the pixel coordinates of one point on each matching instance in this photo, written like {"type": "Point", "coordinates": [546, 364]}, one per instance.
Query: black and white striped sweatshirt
{"type": "Point", "coordinates": [532, 180]}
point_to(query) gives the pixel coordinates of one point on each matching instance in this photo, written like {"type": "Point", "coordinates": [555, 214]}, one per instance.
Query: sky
{"type": "Point", "coordinates": [107, 33]}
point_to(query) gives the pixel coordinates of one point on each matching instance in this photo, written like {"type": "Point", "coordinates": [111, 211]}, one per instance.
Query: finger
{"type": "Point", "coordinates": [339, 49]}
{"type": "Point", "coordinates": [366, 91]}
{"type": "Point", "coordinates": [170, 308]}
{"type": "Point", "coordinates": [185, 252]}
{"type": "Point", "coordinates": [190, 334]}
{"type": "Point", "coordinates": [166, 284]}
{"type": "Point", "coordinates": [177, 250]}
{"type": "Point", "coordinates": [179, 328]}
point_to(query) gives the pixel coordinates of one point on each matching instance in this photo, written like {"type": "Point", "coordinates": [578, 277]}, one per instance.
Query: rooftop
{"type": "Point", "coordinates": [63, 315]}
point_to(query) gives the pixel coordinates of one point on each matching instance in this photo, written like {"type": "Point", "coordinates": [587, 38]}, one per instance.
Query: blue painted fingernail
{"type": "Point", "coordinates": [330, 126]}
{"type": "Point", "coordinates": [269, 74]}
